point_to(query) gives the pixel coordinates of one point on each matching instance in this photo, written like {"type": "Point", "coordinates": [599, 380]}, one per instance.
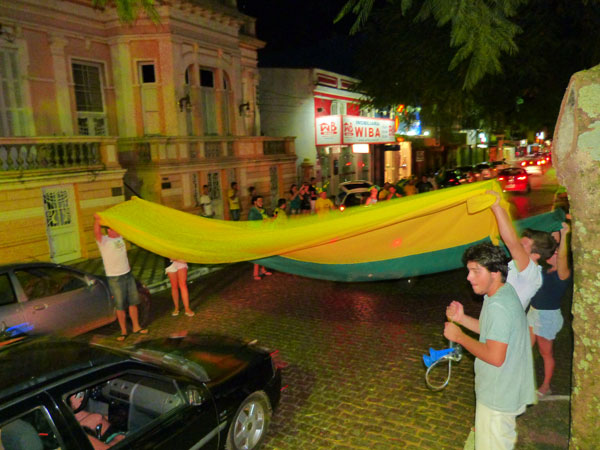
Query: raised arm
{"type": "Point", "coordinates": [509, 234]}
{"type": "Point", "coordinates": [97, 228]}
{"type": "Point", "coordinates": [562, 257]}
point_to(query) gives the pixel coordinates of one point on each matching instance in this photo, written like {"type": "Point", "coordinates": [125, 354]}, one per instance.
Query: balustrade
{"type": "Point", "coordinates": [49, 155]}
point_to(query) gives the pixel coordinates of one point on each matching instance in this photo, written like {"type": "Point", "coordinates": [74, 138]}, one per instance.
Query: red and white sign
{"type": "Point", "coordinates": [345, 130]}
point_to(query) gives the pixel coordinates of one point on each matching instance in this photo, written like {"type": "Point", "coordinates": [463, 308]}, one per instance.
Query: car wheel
{"type": "Point", "coordinates": [250, 423]}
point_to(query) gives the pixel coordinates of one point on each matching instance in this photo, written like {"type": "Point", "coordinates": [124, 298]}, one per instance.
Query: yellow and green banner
{"type": "Point", "coordinates": [415, 235]}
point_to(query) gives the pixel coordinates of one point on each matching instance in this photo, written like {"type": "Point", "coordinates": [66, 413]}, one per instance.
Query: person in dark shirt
{"type": "Point", "coordinates": [544, 317]}
{"type": "Point", "coordinates": [257, 212]}
{"type": "Point", "coordinates": [424, 185]}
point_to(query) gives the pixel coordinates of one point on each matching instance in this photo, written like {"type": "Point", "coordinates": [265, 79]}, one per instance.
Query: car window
{"type": "Point", "coordinates": [40, 282]}
{"type": "Point", "coordinates": [31, 431]}
{"type": "Point", "coordinates": [116, 409]}
{"type": "Point", "coordinates": [512, 172]}
{"type": "Point", "coordinates": [7, 293]}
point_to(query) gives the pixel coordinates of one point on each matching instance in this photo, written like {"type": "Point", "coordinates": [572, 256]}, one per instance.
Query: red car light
{"type": "Point", "coordinates": [524, 163]}
{"type": "Point", "coordinates": [522, 177]}
{"type": "Point", "coordinates": [500, 178]}
{"type": "Point", "coordinates": [342, 208]}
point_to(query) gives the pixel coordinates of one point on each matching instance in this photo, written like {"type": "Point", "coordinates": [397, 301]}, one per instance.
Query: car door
{"type": "Point", "coordinates": [192, 426]}
{"type": "Point", "coordinates": [57, 299]}
{"type": "Point", "coordinates": [142, 406]}
{"type": "Point", "coordinates": [12, 316]}
{"type": "Point", "coordinates": [33, 422]}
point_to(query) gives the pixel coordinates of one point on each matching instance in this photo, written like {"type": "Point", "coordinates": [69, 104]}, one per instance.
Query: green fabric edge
{"type": "Point", "coordinates": [405, 267]}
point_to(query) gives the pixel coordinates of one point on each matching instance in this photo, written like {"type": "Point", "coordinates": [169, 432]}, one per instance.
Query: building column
{"type": "Point", "coordinates": [61, 80]}
{"type": "Point", "coordinates": [169, 71]}
{"type": "Point", "coordinates": [127, 110]}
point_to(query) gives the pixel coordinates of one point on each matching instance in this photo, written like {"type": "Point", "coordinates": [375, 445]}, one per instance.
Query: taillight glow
{"type": "Point", "coordinates": [522, 177]}
{"type": "Point", "coordinates": [524, 163]}
{"type": "Point", "coordinates": [500, 178]}
{"type": "Point", "coordinates": [342, 208]}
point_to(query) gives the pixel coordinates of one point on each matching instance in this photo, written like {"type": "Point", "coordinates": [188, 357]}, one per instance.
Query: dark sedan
{"type": "Point", "coordinates": [38, 298]}
{"type": "Point", "coordinates": [193, 392]}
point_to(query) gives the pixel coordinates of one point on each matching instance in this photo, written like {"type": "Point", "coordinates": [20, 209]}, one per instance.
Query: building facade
{"type": "Point", "coordinates": [93, 110]}
{"type": "Point", "coordinates": [337, 138]}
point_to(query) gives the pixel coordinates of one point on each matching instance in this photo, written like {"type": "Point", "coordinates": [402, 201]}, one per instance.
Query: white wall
{"type": "Point", "coordinates": [287, 108]}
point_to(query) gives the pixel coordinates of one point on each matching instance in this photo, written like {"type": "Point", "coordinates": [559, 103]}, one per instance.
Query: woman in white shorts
{"type": "Point", "coordinates": [177, 273]}
{"type": "Point", "coordinates": [544, 317]}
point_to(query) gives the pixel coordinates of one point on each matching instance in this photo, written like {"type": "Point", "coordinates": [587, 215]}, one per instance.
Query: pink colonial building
{"type": "Point", "coordinates": [93, 110]}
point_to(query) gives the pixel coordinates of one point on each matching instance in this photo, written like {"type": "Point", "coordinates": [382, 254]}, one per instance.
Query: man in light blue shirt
{"type": "Point", "coordinates": [504, 377]}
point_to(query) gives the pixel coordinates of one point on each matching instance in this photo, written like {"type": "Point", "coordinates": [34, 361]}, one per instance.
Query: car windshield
{"type": "Point", "coordinates": [350, 185]}
{"type": "Point", "coordinates": [176, 362]}
{"type": "Point", "coordinates": [512, 172]}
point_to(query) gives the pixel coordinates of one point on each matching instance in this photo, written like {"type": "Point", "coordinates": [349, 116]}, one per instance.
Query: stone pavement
{"type": "Point", "coordinates": [351, 358]}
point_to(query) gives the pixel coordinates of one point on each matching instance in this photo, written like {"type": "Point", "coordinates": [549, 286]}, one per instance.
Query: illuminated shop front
{"type": "Point", "coordinates": [345, 146]}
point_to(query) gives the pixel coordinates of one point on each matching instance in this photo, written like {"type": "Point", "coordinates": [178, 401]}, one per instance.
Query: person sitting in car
{"type": "Point", "coordinates": [94, 422]}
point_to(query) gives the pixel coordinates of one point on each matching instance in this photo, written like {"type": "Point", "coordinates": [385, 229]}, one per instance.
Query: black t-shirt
{"type": "Point", "coordinates": [548, 297]}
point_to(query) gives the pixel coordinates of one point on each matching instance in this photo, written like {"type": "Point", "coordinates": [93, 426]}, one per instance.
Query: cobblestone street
{"type": "Point", "coordinates": [352, 359]}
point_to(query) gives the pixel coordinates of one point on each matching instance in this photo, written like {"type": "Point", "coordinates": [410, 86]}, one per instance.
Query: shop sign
{"type": "Point", "coordinates": [328, 130]}
{"type": "Point", "coordinates": [420, 155]}
{"type": "Point", "coordinates": [344, 130]}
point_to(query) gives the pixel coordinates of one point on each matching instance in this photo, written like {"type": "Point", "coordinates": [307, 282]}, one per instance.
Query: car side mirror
{"type": "Point", "coordinates": [194, 397]}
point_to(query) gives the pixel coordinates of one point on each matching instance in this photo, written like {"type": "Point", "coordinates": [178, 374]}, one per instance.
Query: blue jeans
{"type": "Point", "coordinates": [235, 214]}
{"type": "Point", "coordinates": [124, 291]}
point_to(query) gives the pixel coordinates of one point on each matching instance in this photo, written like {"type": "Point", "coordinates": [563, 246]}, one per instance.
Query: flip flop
{"type": "Point", "coordinates": [267, 273]}
{"type": "Point", "coordinates": [190, 314]}
{"type": "Point", "coordinates": [122, 337]}
{"type": "Point", "coordinates": [257, 278]}
{"type": "Point", "coordinates": [142, 331]}
{"type": "Point", "coordinates": [175, 313]}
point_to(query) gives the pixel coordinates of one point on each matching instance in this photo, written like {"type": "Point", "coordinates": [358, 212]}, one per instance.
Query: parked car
{"type": "Point", "coordinates": [351, 193]}
{"type": "Point", "coordinates": [514, 179]}
{"type": "Point", "coordinates": [533, 165]}
{"type": "Point", "coordinates": [484, 171]}
{"type": "Point", "coordinates": [39, 298]}
{"type": "Point", "coordinates": [465, 174]}
{"type": "Point", "coordinates": [448, 179]}
{"type": "Point", "coordinates": [197, 391]}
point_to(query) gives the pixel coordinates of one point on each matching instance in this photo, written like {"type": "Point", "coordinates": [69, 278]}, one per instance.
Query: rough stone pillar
{"type": "Point", "coordinates": [576, 155]}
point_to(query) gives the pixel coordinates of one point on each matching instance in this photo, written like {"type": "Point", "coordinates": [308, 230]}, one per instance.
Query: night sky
{"type": "Point", "coordinates": [301, 33]}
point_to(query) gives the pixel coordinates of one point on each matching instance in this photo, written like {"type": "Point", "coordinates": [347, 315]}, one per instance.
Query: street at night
{"type": "Point", "coordinates": [299, 224]}
{"type": "Point", "coordinates": [351, 354]}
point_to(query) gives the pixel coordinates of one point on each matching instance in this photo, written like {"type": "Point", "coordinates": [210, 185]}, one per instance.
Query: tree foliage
{"type": "Point", "coordinates": [482, 31]}
{"type": "Point", "coordinates": [413, 57]}
{"type": "Point", "coordinates": [129, 10]}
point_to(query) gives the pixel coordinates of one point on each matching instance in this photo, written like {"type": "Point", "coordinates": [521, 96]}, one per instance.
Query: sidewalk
{"type": "Point", "coordinates": [148, 268]}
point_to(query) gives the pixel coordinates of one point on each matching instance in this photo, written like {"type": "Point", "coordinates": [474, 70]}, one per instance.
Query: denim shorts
{"type": "Point", "coordinates": [545, 322]}
{"type": "Point", "coordinates": [124, 291]}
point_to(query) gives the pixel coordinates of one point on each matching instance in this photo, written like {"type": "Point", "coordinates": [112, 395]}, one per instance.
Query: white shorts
{"type": "Point", "coordinates": [175, 266]}
{"type": "Point", "coordinates": [495, 430]}
{"type": "Point", "coordinates": [545, 322]}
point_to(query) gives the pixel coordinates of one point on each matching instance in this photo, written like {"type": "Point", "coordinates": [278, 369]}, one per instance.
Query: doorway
{"type": "Point", "coordinates": [61, 223]}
